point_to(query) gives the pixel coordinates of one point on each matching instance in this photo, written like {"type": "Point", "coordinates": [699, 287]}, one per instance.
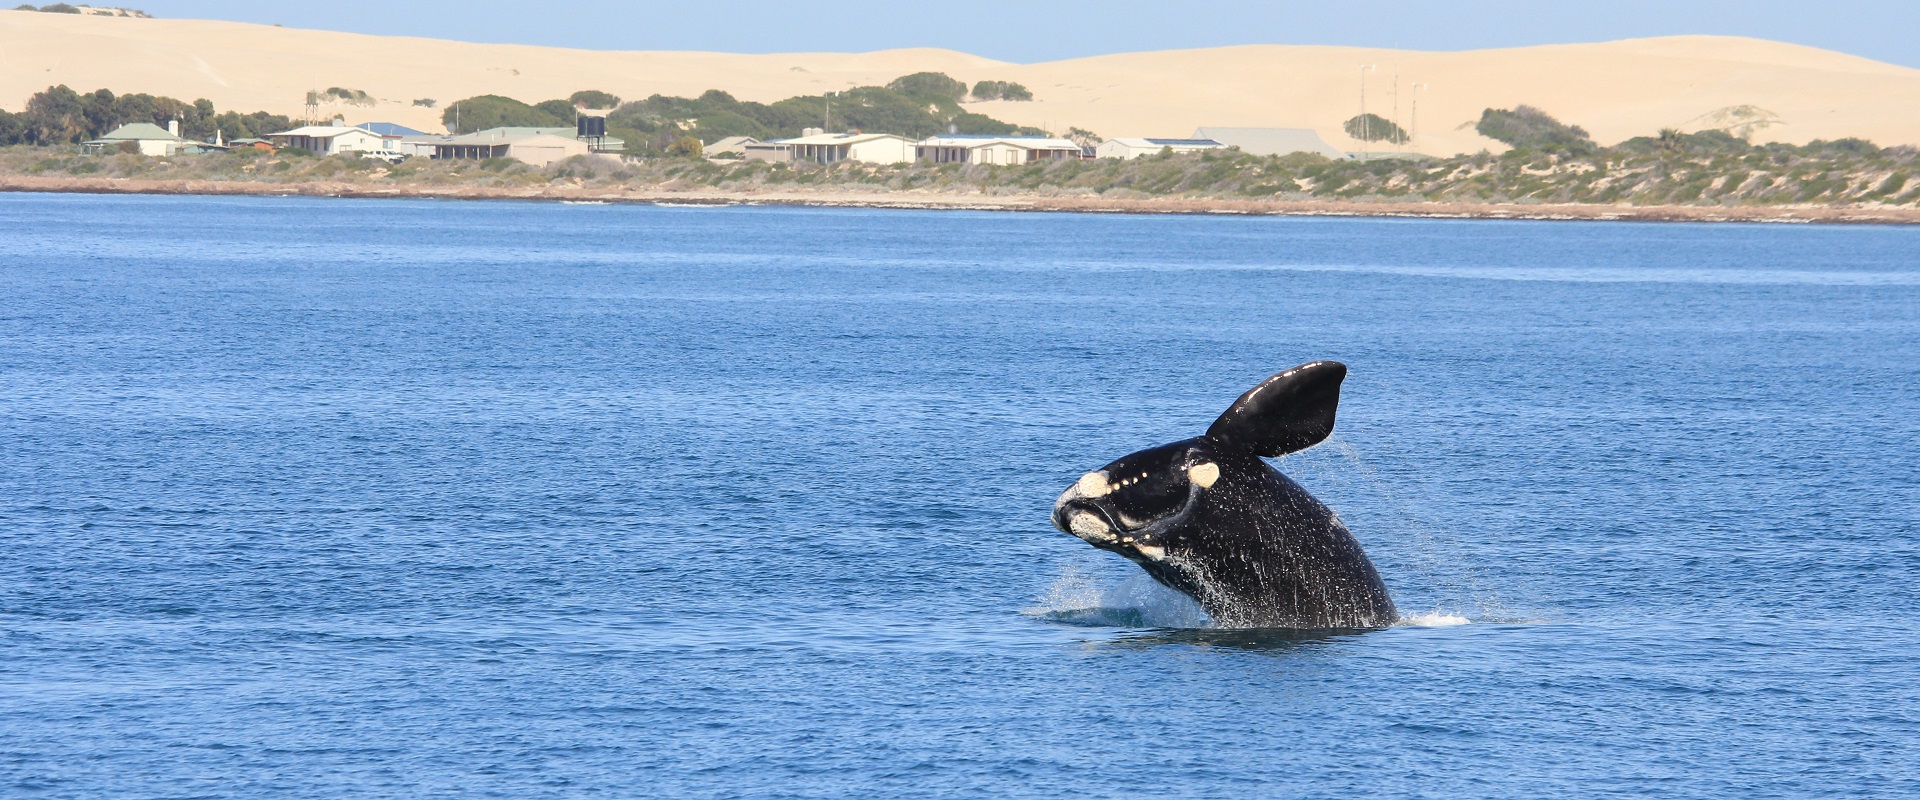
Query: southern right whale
{"type": "Point", "coordinates": [1208, 517]}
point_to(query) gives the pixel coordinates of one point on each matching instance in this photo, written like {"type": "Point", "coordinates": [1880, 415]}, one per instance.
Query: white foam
{"type": "Point", "coordinates": [1435, 619]}
{"type": "Point", "coordinates": [1136, 602]}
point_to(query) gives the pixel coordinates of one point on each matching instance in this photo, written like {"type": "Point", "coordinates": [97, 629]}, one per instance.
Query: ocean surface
{"type": "Point", "coordinates": [319, 498]}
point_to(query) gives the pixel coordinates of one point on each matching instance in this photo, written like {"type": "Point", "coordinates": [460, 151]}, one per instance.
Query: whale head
{"type": "Point", "coordinates": [1141, 505]}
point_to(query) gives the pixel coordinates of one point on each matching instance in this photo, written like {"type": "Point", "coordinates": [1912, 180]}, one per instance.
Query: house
{"type": "Point", "coordinates": [873, 148]}
{"type": "Point", "coordinates": [252, 144]}
{"type": "Point", "coordinates": [767, 151]}
{"type": "Point", "coordinates": [330, 140]}
{"type": "Point", "coordinates": [389, 129]}
{"type": "Point", "coordinates": [734, 145]}
{"type": "Point", "coordinates": [990, 149]}
{"type": "Point", "coordinates": [536, 146]}
{"type": "Point", "coordinates": [1271, 141]}
{"type": "Point", "coordinates": [1135, 148]}
{"type": "Point", "coordinates": [145, 138]}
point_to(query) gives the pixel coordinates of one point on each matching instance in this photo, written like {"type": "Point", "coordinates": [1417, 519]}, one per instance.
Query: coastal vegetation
{"type": "Point", "coordinates": [64, 8]}
{"type": "Point", "coordinates": [1375, 128]}
{"type": "Point", "coordinates": [1001, 90]}
{"type": "Point", "coordinates": [1529, 128]}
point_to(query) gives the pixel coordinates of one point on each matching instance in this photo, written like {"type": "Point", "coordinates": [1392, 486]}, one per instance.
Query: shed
{"type": "Point", "coordinates": [1135, 148]}
{"type": "Point", "coordinates": [736, 145]}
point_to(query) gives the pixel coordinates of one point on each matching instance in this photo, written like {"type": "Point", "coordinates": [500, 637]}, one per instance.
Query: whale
{"type": "Point", "coordinates": [1210, 518]}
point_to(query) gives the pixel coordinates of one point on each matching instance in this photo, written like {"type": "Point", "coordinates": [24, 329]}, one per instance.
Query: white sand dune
{"type": "Point", "coordinates": [1616, 90]}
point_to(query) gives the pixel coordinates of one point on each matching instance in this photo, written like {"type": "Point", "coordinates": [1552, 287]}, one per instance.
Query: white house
{"type": "Point", "coordinates": [987, 149]}
{"type": "Point", "coordinates": [873, 148]}
{"type": "Point", "coordinates": [1135, 148]}
{"type": "Point", "coordinates": [535, 146]}
{"type": "Point", "coordinates": [330, 140]}
{"type": "Point", "coordinates": [147, 138]}
{"type": "Point", "coordinates": [1271, 141]}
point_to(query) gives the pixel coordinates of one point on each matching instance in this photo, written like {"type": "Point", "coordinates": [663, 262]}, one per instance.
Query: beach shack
{"type": "Point", "coordinates": [991, 149]}
{"type": "Point", "coordinates": [536, 146]}
{"type": "Point", "coordinates": [330, 140]}
{"type": "Point", "coordinates": [872, 148]}
{"type": "Point", "coordinates": [144, 138]}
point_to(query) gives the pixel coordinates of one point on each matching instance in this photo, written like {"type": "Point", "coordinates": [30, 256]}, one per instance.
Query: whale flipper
{"type": "Point", "coordinates": [1288, 412]}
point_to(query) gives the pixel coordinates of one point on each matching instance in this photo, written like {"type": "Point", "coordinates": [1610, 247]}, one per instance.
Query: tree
{"type": "Point", "coordinates": [1529, 128]}
{"type": "Point", "coordinates": [684, 146]}
{"type": "Point", "coordinates": [1000, 90]}
{"type": "Point", "coordinates": [929, 85]}
{"type": "Point", "coordinates": [12, 127]}
{"type": "Point", "coordinates": [593, 98]}
{"type": "Point", "coordinates": [494, 111]}
{"type": "Point", "coordinates": [558, 109]}
{"type": "Point", "coordinates": [1375, 128]}
{"type": "Point", "coordinates": [56, 116]}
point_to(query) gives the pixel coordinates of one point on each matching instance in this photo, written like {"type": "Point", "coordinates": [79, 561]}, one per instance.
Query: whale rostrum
{"type": "Point", "coordinates": [1209, 517]}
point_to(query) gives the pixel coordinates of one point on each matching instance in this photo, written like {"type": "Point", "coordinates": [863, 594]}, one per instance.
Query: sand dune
{"type": "Point", "coordinates": [1616, 90]}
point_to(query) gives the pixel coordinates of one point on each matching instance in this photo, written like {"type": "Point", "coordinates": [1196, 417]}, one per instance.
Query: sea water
{"type": "Point", "coordinates": [317, 498]}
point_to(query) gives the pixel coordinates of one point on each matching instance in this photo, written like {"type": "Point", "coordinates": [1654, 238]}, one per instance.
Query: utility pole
{"type": "Point", "coordinates": [826, 120]}
{"type": "Point", "coordinates": [1366, 125]}
{"type": "Point", "coordinates": [1394, 137]}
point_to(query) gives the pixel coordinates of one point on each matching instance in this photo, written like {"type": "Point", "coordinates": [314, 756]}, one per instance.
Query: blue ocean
{"type": "Point", "coordinates": [326, 498]}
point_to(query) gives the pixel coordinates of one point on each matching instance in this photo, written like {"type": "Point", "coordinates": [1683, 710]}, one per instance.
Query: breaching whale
{"type": "Point", "coordinates": [1207, 517]}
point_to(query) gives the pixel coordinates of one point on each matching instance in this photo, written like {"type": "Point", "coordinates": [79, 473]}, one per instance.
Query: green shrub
{"type": "Point", "coordinates": [929, 85]}
{"type": "Point", "coordinates": [1375, 128]}
{"type": "Point", "coordinates": [1001, 90]}
{"type": "Point", "coordinates": [1526, 127]}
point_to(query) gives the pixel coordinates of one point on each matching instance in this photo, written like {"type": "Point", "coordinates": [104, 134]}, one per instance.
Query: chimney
{"type": "Point", "coordinates": [812, 131]}
{"type": "Point", "coordinates": [173, 127]}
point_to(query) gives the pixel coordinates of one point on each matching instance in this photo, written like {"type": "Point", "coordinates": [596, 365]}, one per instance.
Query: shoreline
{"type": "Point", "coordinates": [985, 202]}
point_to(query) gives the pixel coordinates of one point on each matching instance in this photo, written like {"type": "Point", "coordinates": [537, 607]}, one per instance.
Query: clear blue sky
{"type": "Point", "coordinates": [1888, 30]}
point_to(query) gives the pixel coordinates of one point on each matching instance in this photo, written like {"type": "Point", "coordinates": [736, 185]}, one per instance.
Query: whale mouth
{"type": "Point", "coordinates": [1064, 518]}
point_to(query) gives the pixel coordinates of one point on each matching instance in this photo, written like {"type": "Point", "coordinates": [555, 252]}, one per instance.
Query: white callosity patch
{"type": "Point", "coordinates": [1090, 527]}
{"type": "Point", "coordinates": [1204, 474]}
{"type": "Point", "coordinates": [1094, 484]}
{"type": "Point", "coordinates": [1152, 552]}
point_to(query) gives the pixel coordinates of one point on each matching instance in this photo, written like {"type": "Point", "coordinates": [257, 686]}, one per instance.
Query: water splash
{"type": "Point", "coordinates": [1076, 598]}
{"type": "Point", "coordinates": [1432, 619]}
{"type": "Point", "coordinates": [1451, 580]}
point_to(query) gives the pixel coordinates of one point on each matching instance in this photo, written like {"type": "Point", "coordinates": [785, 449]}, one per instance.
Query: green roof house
{"type": "Point", "coordinates": [147, 138]}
